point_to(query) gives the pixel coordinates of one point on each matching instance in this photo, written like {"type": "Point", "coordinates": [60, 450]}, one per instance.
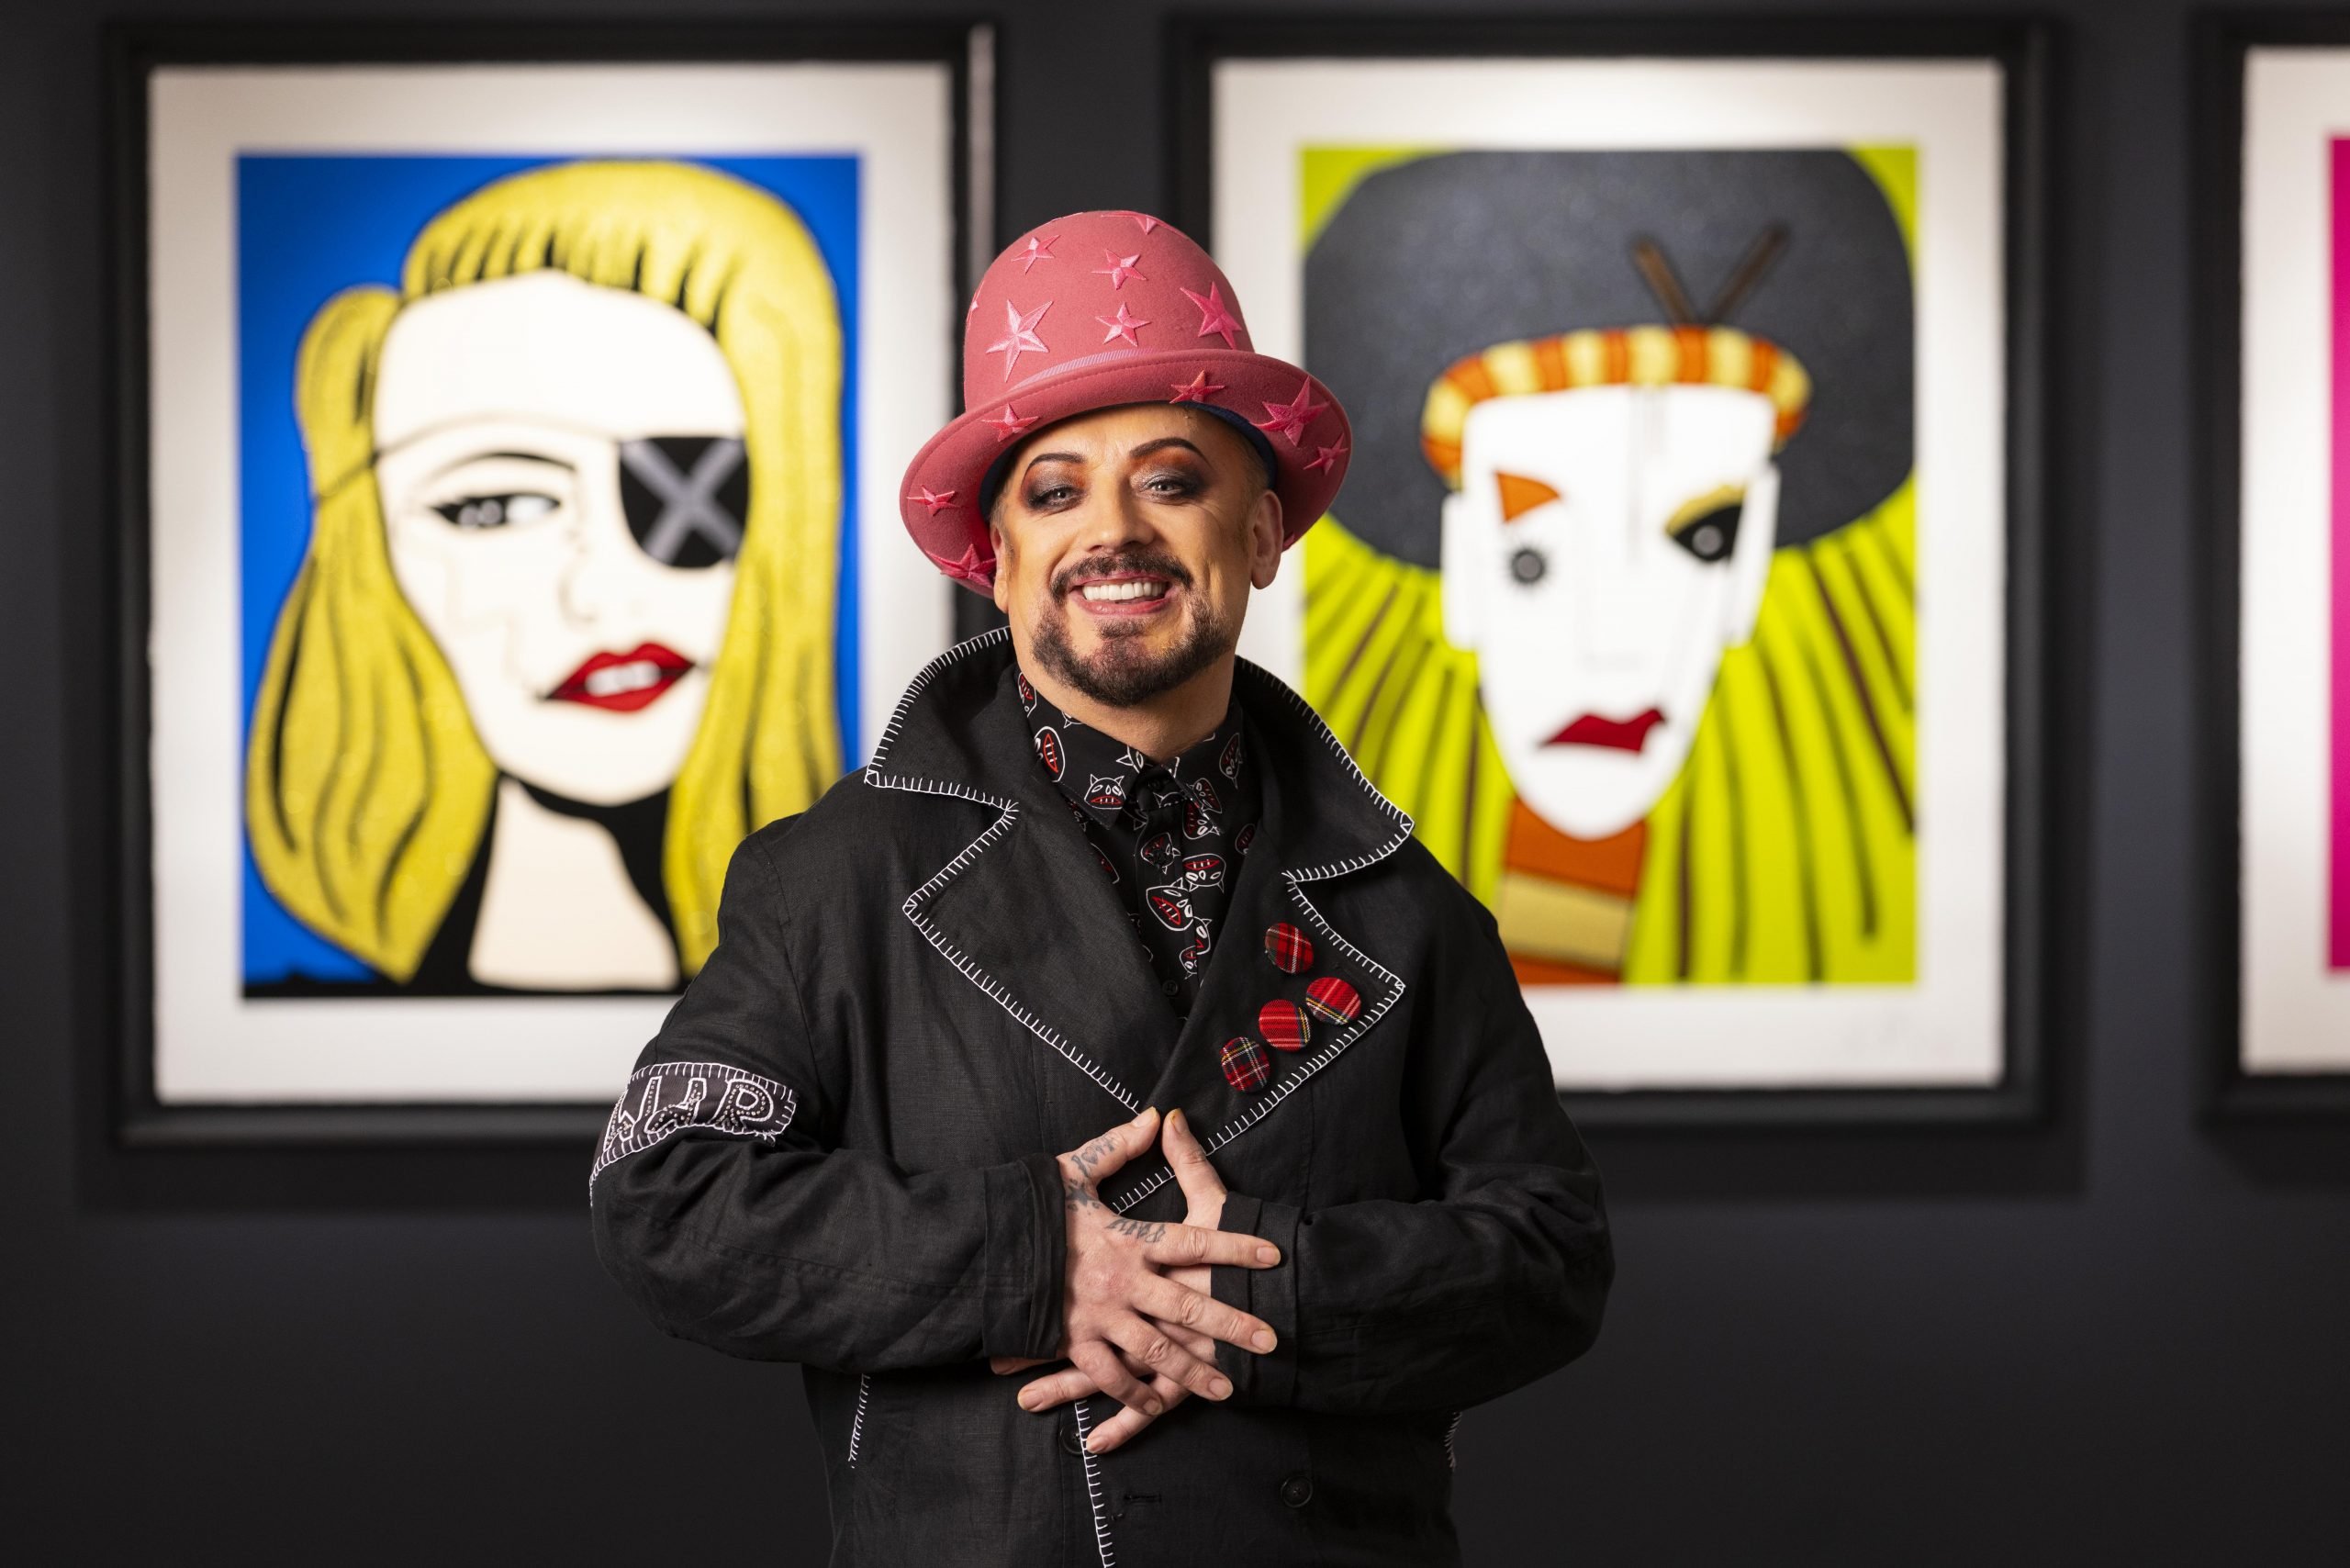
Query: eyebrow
{"type": "Point", "coordinates": [471, 457]}
{"type": "Point", "coordinates": [1147, 448]}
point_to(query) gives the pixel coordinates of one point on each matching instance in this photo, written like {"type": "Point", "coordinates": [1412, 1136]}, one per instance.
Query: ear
{"type": "Point", "coordinates": [1750, 563]}
{"type": "Point", "coordinates": [999, 589]}
{"type": "Point", "coordinates": [1265, 540]}
{"type": "Point", "coordinates": [1460, 582]}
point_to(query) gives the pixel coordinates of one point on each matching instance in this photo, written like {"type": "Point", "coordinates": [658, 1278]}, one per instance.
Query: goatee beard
{"type": "Point", "coordinates": [1123, 673]}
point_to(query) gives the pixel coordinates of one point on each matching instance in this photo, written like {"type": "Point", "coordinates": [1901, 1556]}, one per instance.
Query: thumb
{"type": "Point", "coordinates": [1200, 1184]}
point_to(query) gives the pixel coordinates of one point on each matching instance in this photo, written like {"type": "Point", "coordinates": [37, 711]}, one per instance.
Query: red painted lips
{"type": "Point", "coordinates": [1619, 734]}
{"type": "Point", "coordinates": [623, 683]}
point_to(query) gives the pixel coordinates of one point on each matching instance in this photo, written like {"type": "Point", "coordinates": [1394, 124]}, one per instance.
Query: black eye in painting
{"type": "Point", "coordinates": [1711, 536]}
{"type": "Point", "coordinates": [1527, 565]}
{"type": "Point", "coordinates": [686, 496]}
{"type": "Point", "coordinates": [496, 511]}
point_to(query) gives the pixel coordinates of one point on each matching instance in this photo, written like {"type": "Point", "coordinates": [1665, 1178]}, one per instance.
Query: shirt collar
{"type": "Point", "coordinates": [1097, 772]}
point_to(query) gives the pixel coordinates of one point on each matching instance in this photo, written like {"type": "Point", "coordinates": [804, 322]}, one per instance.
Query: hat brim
{"type": "Point", "coordinates": [951, 466]}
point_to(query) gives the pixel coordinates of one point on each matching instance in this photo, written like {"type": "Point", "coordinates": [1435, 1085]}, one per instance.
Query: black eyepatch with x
{"type": "Point", "coordinates": [686, 496]}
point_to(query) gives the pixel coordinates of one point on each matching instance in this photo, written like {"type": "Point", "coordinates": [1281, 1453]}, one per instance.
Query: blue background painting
{"type": "Point", "coordinates": [310, 227]}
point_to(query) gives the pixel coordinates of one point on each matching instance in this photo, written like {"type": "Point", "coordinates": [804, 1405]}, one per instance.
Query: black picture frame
{"type": "Point", "coordinates": [2038, 951]}
{"type": "Point", "coordinates": [123, 973]}
{"type": "Point", "coordinates": [2221, 44]}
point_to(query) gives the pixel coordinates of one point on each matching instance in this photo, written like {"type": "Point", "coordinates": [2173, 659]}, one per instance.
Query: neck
{"type": "Point", "coordinates": [1159, 728]}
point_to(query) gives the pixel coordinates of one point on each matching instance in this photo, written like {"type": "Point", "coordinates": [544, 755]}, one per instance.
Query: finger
{"type": "Point", "coordinates": [1179, 1246]}
{"type": "Point", "coordinates": [1202, 1186]}
{"type": "Point", "coordinates": [1174, 1306]}
{"type": "Point", "coordinates": [1000, 1366]}
{"type": "Point", "coordinates": [1099, 1157]}
{"type": "Point", "coordinates": [1098, 1362]}
{"type": "Point", "coordinates": [1154, 1347]}
{"type": "Point", "coordinates": [1121, 1427]}
{"type": "Point", "coordinates": [1055, 1388]}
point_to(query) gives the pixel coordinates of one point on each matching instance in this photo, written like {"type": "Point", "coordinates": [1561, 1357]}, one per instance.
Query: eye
{"type": "Point", "coordinates": [504, 511]}
{"type": "Point", "coordinates": [1048, 496]}
{"type": "Point", "coordinates": [1711, 535]}
{"type": "Point", "coordinates": [1527, 565]}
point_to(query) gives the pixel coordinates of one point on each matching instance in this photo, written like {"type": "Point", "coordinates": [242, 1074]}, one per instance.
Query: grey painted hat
{"type": "Point", "coordinates": [1449, 256]}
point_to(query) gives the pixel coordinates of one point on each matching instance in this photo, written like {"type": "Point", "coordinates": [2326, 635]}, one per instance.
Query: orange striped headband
{"type": "Point", "coordinates": [1614, 356]}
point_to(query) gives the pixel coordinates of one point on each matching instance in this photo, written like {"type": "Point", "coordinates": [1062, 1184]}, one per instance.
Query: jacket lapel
{"type": "Point", "coordinates": [1023, 913]}
{"type": "Point", "coordinates": [1321, 818]}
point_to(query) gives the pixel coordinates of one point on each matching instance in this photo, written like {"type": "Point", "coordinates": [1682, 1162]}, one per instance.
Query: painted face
{"type": "Point", "coordinates": [564, 485]}
{"type": "Point", "coordinates": [1608, 545]}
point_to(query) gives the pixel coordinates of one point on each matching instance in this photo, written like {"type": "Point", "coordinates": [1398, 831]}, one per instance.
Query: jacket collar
{"type": "Point", "coordinates": [961, 732]}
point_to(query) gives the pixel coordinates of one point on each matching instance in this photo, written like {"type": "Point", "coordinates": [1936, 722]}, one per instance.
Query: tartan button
{"type": "Point", "coordinates": [1283, 1024]}
{"type": "Point", "coordinates": [1290, 949]}
{"type": "Point", "coordinates": [1245, 1065]}
{"type": "Point", "coordinates": [1333, 999]}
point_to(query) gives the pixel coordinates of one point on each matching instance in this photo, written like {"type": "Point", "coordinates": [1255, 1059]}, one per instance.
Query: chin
{"type": "Point", "coordinates": [1590, 794]}
{"type": "Point", "coordinates": [597, 759]}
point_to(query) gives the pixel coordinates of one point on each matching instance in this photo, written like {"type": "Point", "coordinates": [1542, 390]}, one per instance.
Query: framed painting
{"type": "Point", "coordinates": [2274, 323]}
{"type": "Point", "coordinates": [509, 425]}
{"type": "Point", "coordinates": [1687, 589]}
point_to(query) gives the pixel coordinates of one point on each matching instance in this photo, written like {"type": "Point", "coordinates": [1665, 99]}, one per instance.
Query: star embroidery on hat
{"type": "Point", "coordinates": [1197, 390]}
{"type": "Point", "coordinates": [1120, 268]}
{"type": "Point", "coordinates": [936, 500]}
{"type": "Point", "coordinates": [1214, 316]}
{"type": "Point", "coordinates": [1291, 419]}
{"type": "Point", "coordinates": [1122, 325]}
{"type": "Point", "coordinates": [968, 567]}
{"type": "Point", "coordinates": [1037, 249]}
{"type": "Point", "coordinates": [1010, 423]}
{"type": "Point", "coordinates": [1146, 222]}
{"type": "Point", "coordinates": [1326, 456]}
{"type": "Point", "coordinates": [1019, 335]}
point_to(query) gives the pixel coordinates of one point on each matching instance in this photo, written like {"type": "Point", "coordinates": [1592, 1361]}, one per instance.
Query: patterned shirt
{"type": "Point", "coordinates": [1169, 835]}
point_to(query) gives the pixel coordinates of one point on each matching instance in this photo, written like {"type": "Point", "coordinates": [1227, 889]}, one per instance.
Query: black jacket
{"type": "Point", "coordinates": [839, 1150]}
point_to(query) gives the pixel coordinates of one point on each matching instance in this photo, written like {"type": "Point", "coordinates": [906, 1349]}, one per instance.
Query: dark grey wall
{"type": "Point", "coordinates": [2117, 1340]}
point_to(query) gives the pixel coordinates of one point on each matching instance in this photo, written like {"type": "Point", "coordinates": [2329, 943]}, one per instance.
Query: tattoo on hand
{"type": "Point", "coordinates": [1141, 1230]}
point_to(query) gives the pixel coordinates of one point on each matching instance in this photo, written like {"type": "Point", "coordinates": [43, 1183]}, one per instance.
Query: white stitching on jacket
{"type": "Point", "coordinates": [1009, 811]}
{"type": "Point", "coordinates": [1102, 1544]}
{"type": "Point", "coordinates": [746, 1105]}
{"type": "Point", "coordinates": [857, 1424]}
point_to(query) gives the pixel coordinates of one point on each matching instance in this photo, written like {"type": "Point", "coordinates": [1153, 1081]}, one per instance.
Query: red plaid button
{"type": "Point", "coordinates": [1333, 999]}
{"type": "Point", "coordinates": [1290, 949]}
{"type": "Point", "coordinates": [1245, 1065]}
{"type": "Point", "coordinates": [1283, 1024]}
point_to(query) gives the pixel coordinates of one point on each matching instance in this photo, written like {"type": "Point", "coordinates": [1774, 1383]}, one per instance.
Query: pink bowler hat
{"type": "Point", "coordinates": [1096, 310]}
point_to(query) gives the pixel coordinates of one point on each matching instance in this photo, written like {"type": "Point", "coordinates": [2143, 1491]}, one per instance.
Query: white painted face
{"type": "Point", "coordinates": [1606, 546]}
{"type": "Point", "coordinates": [564, 485]}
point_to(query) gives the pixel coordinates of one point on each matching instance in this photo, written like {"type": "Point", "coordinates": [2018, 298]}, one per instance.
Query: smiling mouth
{"type": "Point", "coordinates": [1137, 593]}
{"type": "Point", "coordinates": [1616, 734]}
{"type": "Point", "coordinates": [623, 683]}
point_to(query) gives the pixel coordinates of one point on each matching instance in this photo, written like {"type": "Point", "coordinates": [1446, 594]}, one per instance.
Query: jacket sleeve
{"type": "Point", "coordinates": [1496, 1276]}
{"type": "Point", "coordinates": [722, 1206]}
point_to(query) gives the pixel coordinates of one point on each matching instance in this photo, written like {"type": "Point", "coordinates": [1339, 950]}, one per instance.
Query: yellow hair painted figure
{"type": "Point", "coordinates": [1784, 852]}
{"type": "Point", "coordinates": [577, 487]}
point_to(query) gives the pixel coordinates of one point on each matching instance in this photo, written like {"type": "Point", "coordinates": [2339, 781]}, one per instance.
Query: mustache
{"type": "Point", "coordinates": [1154, 561]}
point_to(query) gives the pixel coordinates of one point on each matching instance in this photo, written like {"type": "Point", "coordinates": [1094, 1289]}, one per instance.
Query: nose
{"type": "Point", "coordinates": [601, 579]}
{"type": "Point", "coordinates": [1115, 520]}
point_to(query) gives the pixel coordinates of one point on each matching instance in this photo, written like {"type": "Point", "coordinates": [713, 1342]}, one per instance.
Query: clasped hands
{"type": "Point", "coordinates": [1140, 1321]}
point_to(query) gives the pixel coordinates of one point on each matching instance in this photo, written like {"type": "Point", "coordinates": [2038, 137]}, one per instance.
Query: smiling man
{"type": "Point", "coordinates": [1106, 889]}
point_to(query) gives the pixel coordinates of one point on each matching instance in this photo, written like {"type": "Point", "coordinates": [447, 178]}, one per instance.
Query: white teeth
{"type": "Point", "coordinates": [614, 679]}
{"type": "Point", "coordinates": [1104, 592]}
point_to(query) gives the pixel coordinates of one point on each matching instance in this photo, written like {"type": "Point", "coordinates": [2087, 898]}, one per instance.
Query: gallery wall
{"type": "Point", "coordinates": [2114, 1337]}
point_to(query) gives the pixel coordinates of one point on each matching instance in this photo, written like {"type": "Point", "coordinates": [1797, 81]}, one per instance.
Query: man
{"type": "Point", "coordinates": [1105, 890]}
